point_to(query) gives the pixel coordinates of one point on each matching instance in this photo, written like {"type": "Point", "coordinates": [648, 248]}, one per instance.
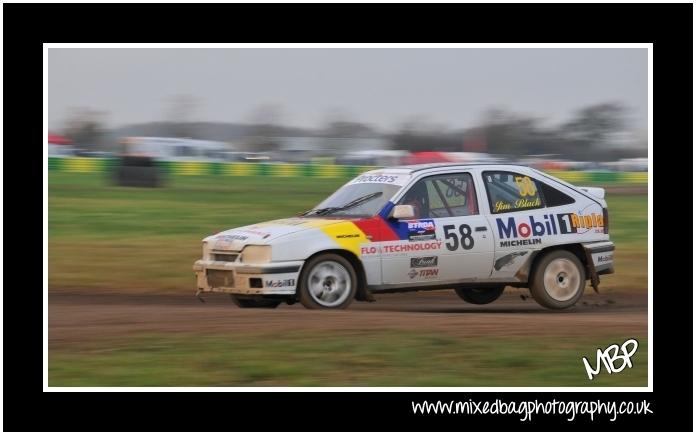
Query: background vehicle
{"type": "Point", "coordinates": [55, 150]}
{"type": "Point", "coordinates": [173, 149]}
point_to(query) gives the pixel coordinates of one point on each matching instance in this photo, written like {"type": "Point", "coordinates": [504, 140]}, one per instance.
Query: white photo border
{"type": "Point", "coordinates": [648, 46]}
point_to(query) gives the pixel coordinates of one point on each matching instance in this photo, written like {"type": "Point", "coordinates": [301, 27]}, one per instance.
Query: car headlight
{"type": "Point", "coordinates": [255, 254]}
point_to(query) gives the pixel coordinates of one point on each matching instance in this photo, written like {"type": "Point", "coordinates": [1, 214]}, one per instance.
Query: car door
{"type": "Point", "coordinates": [448, 240]}
{"type": "Point", "coordinates": [520, 222]}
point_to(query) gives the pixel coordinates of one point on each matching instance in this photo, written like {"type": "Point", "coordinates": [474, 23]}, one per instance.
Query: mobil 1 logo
{"type": "Point", "coordinates": [515, 231]}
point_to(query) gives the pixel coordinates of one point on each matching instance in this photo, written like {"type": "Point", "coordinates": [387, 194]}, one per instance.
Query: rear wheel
{"type": "Point", "coordinates": [243, 302]}
{"type": "Point", "coordinates": [327, 281]}
{"type": "Point", "coordinates": [558, 281]}
{"type": "Point", "coordinates": [480, 296]}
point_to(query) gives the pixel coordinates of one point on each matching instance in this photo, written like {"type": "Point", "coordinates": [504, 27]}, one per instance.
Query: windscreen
{"type": "Point", "coordinates": [365, 195]}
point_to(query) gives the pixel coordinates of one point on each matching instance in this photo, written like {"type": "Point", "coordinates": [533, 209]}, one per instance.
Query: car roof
{"type": "Point", "coordinates": [410, 169]}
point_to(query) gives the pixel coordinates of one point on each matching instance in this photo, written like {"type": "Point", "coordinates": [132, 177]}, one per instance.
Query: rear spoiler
{"type": "Point", "coordinates": [597, 192]}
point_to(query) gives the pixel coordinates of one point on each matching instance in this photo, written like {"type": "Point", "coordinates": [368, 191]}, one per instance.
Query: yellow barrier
{"type": "Point", "coordinates": [239, 169]}
{"type": "Point", "coordinates": [285, 170]}
{"type": "Point", "coordinates": [190, 168]}
{"type": "Point", "coordinates": [82, 164]}
{"type": "Point", "coordinates": [87, 165]}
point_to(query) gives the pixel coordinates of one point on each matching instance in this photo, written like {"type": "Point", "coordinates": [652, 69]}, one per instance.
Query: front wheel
{"type": "Point", "coordinates": [254, 302]}
{"type": "Point", "coordinates": [558, 280]}
{"type": "Point", "coordinates": [480, 296]}
{"type": "Point", "coordinates": [327, 281]}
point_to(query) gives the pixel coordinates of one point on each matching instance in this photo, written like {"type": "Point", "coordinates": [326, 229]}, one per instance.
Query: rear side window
{"type": "Point", "coordinates": [509, 191]}
{"type": "Point", "coordinates": [553, 197]}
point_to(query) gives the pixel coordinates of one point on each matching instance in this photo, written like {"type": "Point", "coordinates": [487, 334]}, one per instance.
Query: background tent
{"type": "Point", "coordinates": [58, 139]}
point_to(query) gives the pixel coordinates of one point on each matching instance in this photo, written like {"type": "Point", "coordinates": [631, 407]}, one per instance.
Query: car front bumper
{"type": "Point", "coordinates": [247, 279]}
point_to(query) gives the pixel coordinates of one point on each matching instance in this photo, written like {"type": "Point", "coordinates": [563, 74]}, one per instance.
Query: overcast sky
{"type": "Point", "coordinates": [382, 87]}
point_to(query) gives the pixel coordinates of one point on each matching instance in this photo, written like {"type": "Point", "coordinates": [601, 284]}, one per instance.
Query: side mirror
{"type": "Point", "coordinates": [402, 212]}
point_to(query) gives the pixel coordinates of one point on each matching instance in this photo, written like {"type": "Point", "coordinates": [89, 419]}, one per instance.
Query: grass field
{"type": "Point", "coordinates": [106, 238]}
{"type": "Point", "coordinates": [361, 358]}
{"type": "Point", "coordinates": [136, 241]}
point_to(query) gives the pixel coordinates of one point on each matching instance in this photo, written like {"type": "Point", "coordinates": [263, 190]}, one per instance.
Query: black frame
{"type": "Point", "coordinates": [668, 26]}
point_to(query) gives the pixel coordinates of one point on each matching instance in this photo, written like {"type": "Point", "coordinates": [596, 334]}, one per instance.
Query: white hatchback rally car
{"type": "Point", "coordinates": [472, 228]}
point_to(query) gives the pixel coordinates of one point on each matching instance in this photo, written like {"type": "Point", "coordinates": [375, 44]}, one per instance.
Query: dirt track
{"type": "Point", "coordinates": [80, 318]}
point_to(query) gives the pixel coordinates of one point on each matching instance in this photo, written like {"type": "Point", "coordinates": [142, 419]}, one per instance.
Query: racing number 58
{"type": "Point", "coordinates": [453, 241]}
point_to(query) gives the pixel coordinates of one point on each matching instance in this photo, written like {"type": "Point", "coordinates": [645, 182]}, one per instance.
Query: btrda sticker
{"type": "Point", "coordinates": [423, 229]}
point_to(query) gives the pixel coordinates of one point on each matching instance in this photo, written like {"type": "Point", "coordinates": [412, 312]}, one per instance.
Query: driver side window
{"type": "Point", "coordinates": [442, 196]}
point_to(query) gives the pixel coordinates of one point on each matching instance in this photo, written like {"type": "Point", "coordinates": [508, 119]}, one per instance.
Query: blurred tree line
{"type": "Point", "coordinates": [85, 127]}
{"type": "Point", "coordinates": [598, 132]}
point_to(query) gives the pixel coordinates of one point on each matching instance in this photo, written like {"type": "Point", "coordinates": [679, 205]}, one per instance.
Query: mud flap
{"type": "Point", "coordinates": [364, 295]}
{"type": "Point", "coordinates": [198, 296]}
{"type": "Point", "coordinates": [594, 278]}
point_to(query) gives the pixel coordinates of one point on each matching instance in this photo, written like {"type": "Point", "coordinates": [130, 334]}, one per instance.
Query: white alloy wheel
{"type": "Point", "coordinates": [329, 283]}
{"type": "Point", "coordinates": [562, 279]}
{"type": "Point", "coordinates": [558, 279]}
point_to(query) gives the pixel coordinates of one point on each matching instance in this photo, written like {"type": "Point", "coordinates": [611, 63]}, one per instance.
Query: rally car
{"type": "Point", "coordinates": [472, 228]}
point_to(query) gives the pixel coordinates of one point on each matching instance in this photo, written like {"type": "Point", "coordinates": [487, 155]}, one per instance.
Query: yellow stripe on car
{"type": "Point", "coordinates": [347, 235]}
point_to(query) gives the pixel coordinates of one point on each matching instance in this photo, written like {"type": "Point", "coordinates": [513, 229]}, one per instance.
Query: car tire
{"type": "Point", "coordinates": [480, 296]}
{"type": "Point", "coordinates": [328, 281]}
{"type": "Point", "coordinates": [558, 280]}
{"type": "Point", "coordinates": [254, 302]}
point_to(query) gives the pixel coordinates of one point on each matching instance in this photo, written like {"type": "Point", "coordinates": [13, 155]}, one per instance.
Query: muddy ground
{"type": "Point", "coordinates": [81, 318]}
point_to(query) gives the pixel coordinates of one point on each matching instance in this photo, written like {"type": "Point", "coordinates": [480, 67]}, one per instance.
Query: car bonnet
{"type": "Point", "coordinates": [265, 232]}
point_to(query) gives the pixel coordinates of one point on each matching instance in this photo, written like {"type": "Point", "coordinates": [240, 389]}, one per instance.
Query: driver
{"type": "Point", "coordinates": [418, 198]}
